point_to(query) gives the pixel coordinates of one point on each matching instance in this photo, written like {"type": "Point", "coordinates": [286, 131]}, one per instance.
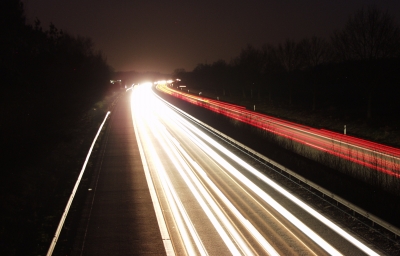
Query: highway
{"type": "Point", "coordinates": [209, 201]}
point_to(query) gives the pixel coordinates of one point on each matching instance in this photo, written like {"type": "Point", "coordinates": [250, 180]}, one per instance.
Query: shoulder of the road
{"type": "Point", "coordinates": [118, 217]}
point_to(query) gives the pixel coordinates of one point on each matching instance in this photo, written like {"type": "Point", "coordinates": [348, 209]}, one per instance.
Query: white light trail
{"type": "Point", "coordinates": [290, 217]}
{"type": "Point", "coordinates": [261, 240]}
{"type": "Point", "coordinates": [157, 207]}
{"type": "Point", "coordinates": [173, 200]}
{"type": "Point", "coordinates": [225, 237]}
{"type": "Point", "coordinates": [202, 192]}
{"type": "Point", "coordinates": [175, 152]}
{"type": "Point", "coordinates": [294, 199]}
{"type": "Point", "coordinates": [168, 143]}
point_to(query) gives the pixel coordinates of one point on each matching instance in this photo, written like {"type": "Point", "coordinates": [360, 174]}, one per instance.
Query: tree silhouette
{"type": "Point", "coordinates": [370, 34]}
{"type": "Point", "coordinates": [315, 51]}
{"type": "Point", "coordinates": [249, 64]}
{"type": "Point", "coordinates": [50, 82]}
{"type": "Point", "coordinates": [290, 56]}
{"type": "Point", "coordinates": [272, 68]}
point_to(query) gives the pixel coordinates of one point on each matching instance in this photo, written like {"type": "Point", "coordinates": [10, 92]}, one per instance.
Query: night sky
{"type": "Point", "coordinates": [161, 36]}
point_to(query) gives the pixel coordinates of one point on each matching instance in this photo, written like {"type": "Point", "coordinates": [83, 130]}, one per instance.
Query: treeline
{"type": "Point", "coordinates": [50, 80]}
{"type": "Point", "coordinates": [354, 73]}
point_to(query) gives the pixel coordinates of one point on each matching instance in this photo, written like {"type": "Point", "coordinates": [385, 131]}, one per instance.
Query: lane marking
{"type": "Point", "coordinates": [71, 198]}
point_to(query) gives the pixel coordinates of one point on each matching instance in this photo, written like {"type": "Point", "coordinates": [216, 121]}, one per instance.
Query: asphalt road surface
{"type": "Point", "coordinates": [166, 186]}
{"type": "Point", "coordinates": [118, 217]}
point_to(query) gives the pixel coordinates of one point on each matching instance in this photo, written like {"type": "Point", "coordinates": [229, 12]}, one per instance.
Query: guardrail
{"type": "Point", "coordinates": [374, 219]}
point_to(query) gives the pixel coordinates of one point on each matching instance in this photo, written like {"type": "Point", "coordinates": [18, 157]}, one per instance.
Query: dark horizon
{"type": "Point", "coordinates": [160, 37]}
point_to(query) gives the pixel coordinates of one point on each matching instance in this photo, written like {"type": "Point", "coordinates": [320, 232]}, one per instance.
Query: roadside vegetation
{"type": "Point", "coordinates": [55, 91]}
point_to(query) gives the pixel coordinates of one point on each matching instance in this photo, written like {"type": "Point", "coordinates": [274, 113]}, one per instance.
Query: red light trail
{"type": "Point", "coordinates": [366, 153]}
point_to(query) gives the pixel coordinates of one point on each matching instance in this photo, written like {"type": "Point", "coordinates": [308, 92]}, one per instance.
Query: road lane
{"type": "Point", "coordinates": [210, 201]}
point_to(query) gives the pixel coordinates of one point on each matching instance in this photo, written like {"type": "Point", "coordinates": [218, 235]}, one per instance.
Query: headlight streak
{"type": "Point", "coordinates": [170, 251]}
{"type": "Point", "coordinates": [173, 200]}
{"type": "Point", "coordinates": [260, 239]}
{"type": "Point", "coordinates": [175, 157]}
{"type": "Point", "coordinates": [225, 237]}
{"type": "Point", "coordinates": [290, 217]}
{"type": "Point", "coordinates": [245, 222]}
{"type": "Point", "coordinates": [284, 192]}
{"type": "Point", "coordinates": [172, 116]}
{"type": "Point", "coordinates": [226, 223]}
{"type": "Point", "coordinates": [265, 196]}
